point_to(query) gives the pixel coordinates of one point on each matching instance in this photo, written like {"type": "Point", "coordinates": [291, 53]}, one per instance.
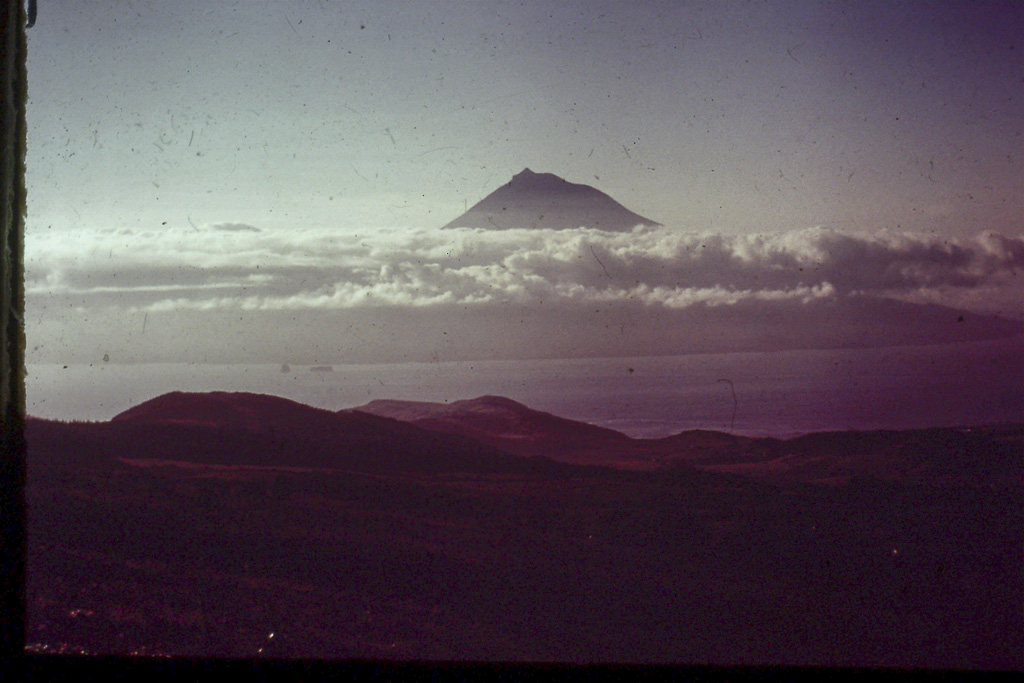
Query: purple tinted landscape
{"type": "Point", "coordinates": [245, 525]}
{"type": "Point", "coordinates": [650, 332]}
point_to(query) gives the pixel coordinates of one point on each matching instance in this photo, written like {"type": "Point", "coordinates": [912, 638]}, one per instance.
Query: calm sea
{"type": "Point", "coordinates": [780, 393]}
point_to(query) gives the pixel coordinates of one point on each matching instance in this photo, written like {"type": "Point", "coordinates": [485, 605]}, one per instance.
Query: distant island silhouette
{"type": "Point", "coordinates": [544, 200]}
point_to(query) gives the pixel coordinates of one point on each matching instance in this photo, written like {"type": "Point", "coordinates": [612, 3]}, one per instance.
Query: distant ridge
{"type": "Point", "coordinates": [943, 456]}
{"type": "Point", "coordinates": [544, 200]}
{"type": "Point", "coordinates": [241, 428]}
{"type": "Point", "coordinates": [515, 428]}
{"type": "Point", "coordinates": [495, 416]}
{"type": "Point", "coordinates": [493, 434]}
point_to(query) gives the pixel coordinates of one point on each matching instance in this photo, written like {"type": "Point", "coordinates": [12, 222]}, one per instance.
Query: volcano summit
{"type": "Point", "coordinates": [543, 200]}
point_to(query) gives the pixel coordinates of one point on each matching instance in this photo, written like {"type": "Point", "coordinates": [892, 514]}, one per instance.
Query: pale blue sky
{"type": "Point", "coordinates": [730, 116]}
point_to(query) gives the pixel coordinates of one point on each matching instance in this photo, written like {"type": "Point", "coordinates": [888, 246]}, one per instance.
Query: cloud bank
{"type": "Point", "coordinates": [236, 266]}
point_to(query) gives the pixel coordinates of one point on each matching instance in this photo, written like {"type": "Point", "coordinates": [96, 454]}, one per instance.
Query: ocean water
{"type": "Point", "coordinates": [780, 393]}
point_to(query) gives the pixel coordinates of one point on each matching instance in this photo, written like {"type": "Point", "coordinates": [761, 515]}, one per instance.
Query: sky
{"type": "Point", "coordinates": [264, 181]}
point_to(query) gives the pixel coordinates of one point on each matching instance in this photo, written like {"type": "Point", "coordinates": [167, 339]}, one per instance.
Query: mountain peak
{"type": "Point", "coordinates": [527, 179]}
{"type": "Point", "coordinates": [547, 201]}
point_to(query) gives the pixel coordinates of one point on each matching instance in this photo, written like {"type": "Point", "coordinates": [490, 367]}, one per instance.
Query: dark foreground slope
{"type": "Point", "coordinates": [986, 457]}
{"type": "Point", "coordinates": [576, 564]}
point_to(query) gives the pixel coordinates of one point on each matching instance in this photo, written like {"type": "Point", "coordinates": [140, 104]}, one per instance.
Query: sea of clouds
{"type": "Point", "coordinates": [234, 266]}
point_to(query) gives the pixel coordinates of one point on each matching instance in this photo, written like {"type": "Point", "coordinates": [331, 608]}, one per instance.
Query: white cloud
{"type": "Point", "coordinates": [235, 227]}
{"type": "Point", "coordinates": [243, 267]}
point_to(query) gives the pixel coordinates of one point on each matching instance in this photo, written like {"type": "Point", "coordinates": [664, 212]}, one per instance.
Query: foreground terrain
{"type": "Point", "coordinates": [248, 526]}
